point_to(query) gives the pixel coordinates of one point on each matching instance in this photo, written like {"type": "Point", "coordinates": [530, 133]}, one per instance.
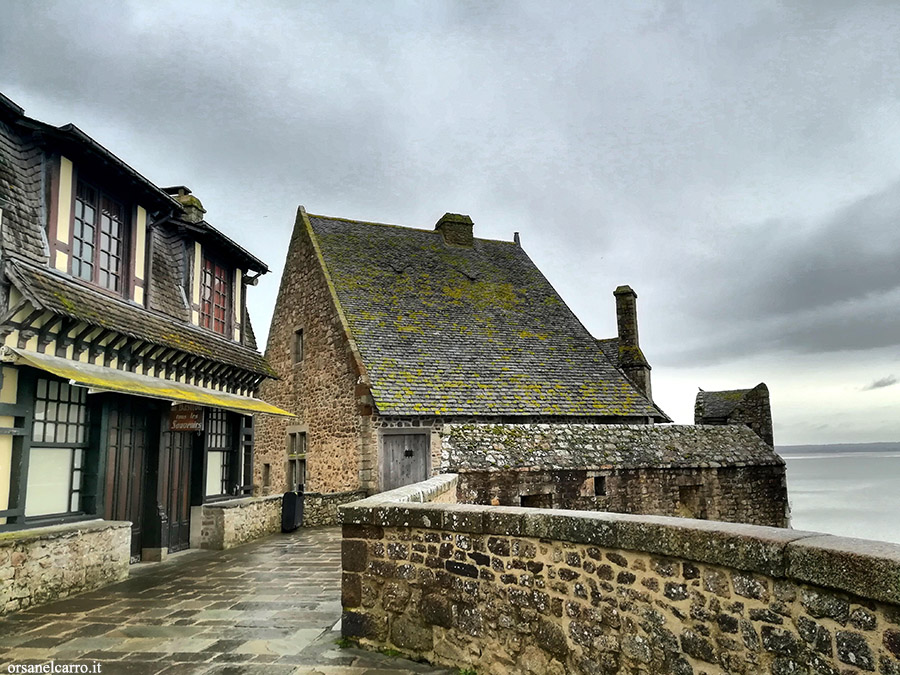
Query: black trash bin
{"type": "Point", "coordinates": [291, 511]}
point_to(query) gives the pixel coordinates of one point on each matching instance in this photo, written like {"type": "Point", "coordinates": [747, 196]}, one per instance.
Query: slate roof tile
{"type": "Point", "coordinates": [719, 404]}
{"type": "Point", "coordinates": [450, 330]}
{"type": "Point", "coordinates": [58, 293]}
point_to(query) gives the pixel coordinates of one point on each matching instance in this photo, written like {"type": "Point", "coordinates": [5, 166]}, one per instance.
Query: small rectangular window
{"type": "Point", "coordinates": [267, 475]}
{"type": "Point", "coordinates": [599, 486]}
{"type": "Point", "coordinates": [297, 347]}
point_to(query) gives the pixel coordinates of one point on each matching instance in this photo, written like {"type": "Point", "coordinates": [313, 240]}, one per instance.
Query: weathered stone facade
{"type": "Point", "coordinates": [48, 563]}
{"type": "Point", "coordinates": [717, 473]}
{"type": "Point", "coordinates": [511, 590]}
{"type": "Point", "coordinates": [234, 522]}
{"type": "Point", "coordinates": [321, 388]}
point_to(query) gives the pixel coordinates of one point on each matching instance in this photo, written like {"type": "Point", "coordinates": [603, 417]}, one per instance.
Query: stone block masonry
{"type": "Point", "coordinates": [516, 590]}
{"type": "Point", "coordinates": [47, 563]}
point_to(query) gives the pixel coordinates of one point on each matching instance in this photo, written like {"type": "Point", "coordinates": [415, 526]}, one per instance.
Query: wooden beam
{"type": "Point", "coordinates": [45, 335]}
{"type": "Point", "coordinates": [95, 347]}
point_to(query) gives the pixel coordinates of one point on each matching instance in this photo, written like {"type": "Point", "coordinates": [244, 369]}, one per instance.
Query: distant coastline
{"type": "Point", "coordinates": [837, 448]}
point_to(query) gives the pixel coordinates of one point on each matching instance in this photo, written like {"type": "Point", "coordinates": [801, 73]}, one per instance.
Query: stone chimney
{"type": "Point", "coordinates": [193, 209]}
{"type": "Point", "coordinates": [456, 229]}
{"type": "Point", "coordinates": [631, 358]}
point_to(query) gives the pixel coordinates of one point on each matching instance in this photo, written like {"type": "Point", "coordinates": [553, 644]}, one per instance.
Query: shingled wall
{"type": "Point", "coordinates": [711, 472]}
{"type": "Point", "coordinates": [515, 590]}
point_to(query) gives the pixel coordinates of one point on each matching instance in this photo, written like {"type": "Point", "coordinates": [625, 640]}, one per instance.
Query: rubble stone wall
{"type": "Point", "coordinates": [44, 564]}
{"type": "Point", "coordinates": [322, 509]}
{"type": "Point", "coordinates": [234, 522]}
{"type": "Point", "coordinates": [516, 590]}
{"type": "Point", "coordinates": [746, 494]}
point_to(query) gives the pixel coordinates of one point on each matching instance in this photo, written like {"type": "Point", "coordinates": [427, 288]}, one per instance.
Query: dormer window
{"type": "Point", "coordinates": [215, 296]}
{"type": "Point", "coordinates": [98, 238]}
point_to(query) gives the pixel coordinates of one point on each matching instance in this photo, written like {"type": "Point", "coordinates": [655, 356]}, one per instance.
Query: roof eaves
{"type": "Point", "coordinates": [71, 133]}
{"type": "Point", "coordinates": [204, 228]}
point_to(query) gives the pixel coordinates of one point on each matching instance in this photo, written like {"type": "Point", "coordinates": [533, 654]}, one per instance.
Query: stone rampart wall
{"type": "Point", "coordinates": [322, 509]}
{"type": "Point", "coordinates": [514, 590]}
{"type": "Point", "coordinates": [234, 522]}
{"type": "Point", "coordinates": [47, 563]}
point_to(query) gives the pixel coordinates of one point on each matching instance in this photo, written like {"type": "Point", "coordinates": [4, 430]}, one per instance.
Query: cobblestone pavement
{"type": "Point", "coordinates": [269, 607]}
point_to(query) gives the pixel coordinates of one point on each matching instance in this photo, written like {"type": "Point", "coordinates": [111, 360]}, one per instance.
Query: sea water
{"type": "Point", "coordinates": [851, 493]}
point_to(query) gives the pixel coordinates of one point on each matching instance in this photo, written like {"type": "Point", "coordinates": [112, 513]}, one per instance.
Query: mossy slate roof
{"type": "Point", "coordinates": [453, 330]}
{"type": "Point", "coordinates": [720, 404]}
{"type": "Point", "coordinates": [50, 290]}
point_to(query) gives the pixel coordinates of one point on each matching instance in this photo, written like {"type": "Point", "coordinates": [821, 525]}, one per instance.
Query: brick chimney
{"type": "Point", "coordinates": [631, 358]}
{"type": "Point", "coordinates": [456, 229]}
{"type": "Point", "coordinates": [193, 209]}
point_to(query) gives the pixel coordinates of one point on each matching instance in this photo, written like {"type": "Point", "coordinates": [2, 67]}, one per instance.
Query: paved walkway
{"type": "Point", "coordinates": [269, 607]}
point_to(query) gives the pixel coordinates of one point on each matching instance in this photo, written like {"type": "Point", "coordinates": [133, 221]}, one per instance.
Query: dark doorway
{"type": "Point", "coordinates": [405, 459]}
{"type": "Point", "coordinates": [175, 486]}
{"type": "Point", "coordinates": [127, 443]}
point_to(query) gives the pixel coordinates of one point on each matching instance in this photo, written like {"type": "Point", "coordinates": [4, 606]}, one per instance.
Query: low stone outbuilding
{"type": "Point", "coordinates": [711, 472]}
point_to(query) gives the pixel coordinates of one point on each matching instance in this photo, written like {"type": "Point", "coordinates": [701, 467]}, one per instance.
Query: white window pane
{"type": "Point", "coordinates": [48, 481]}
{"type": "Point", "coordinates": [38, 431]}
{"type": "Point", "coordinates": [63, 391]}
{"type": "Point", "coordinates": [42, 388]}
{"type": "Point", "coordinates": [76, 480]}
{"type": "Point", "coordinates": [75, 505]}
{"type": "Point", "coordinates": [214, 473]}
{"type": "Point", "coordinates": [78, 456]}
{"type": "Point", "coordinates": [54, 389]}
{"type": "Point", "coordinates": [40, 410]}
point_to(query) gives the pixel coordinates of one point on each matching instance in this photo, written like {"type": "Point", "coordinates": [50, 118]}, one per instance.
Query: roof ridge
{"type": "Point", "coordinates": [402, 227]}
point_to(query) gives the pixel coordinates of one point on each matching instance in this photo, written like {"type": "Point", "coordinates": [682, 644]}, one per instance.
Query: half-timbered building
{"type": "Point", "coordinates": [129, 366]}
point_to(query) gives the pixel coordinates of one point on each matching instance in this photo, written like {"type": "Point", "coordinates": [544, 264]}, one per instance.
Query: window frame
{"type": "Point", "coordinates": [297, 447]}
{"type": "Point", "coordinates": [207, 318]}
{"type": "Point", "coordinates": [14, 517]}
{"type": "Point", "coordinates": [221, 437]}
{"type": "Point", "coordinates": [124, 274]}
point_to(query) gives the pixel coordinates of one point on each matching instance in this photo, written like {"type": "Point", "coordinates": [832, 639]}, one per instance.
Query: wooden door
{"type": "Point", "coordinates": [405, 459]}
{"type": "Point", "coordinates": [175, 486]}
{"type": "Point", "coordinates": [126, 466]}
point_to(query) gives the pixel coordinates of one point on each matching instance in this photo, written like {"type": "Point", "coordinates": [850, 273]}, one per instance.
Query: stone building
{"type": "Point", "coordinates": [721, 473]}
{"type": "Point", "coordinates": [389, 341]}
{"type": "Point", "coordinates": [744, 407]}
{"type": "Point", "coordinates": [129, 368]}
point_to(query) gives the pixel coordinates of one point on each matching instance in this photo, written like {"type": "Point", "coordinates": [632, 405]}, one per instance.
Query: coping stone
{"type": "Point", "coordinates": [14, 537]}
{"type": "Point", "coordinates": [752, 548]}
{"type": "Point", "coordinates": [870, 569]}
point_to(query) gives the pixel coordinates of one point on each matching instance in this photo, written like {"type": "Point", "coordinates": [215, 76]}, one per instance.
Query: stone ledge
{"type": "Point", "coordinates": [241, 503]}
{"type": "Point", "coordinates": [867, 568]}
{"type": "Point", "coordinates": [14, 537]}
{"type": "Point", "coordinates": [427, 490]}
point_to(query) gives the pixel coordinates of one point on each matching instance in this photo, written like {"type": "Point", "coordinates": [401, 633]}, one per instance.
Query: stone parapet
{"type": "Point", "coordinates": [517, 590]}
{"type": "Point", "coordinates": [322, 509]}
{"type": "Point", "coordinates": [233, 522]}
{"type": "Point", "coordinates": [43, 564]}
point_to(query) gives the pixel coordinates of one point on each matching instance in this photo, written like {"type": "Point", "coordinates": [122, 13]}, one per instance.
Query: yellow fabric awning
{"type": "Point", "coordinates": [101, 378]}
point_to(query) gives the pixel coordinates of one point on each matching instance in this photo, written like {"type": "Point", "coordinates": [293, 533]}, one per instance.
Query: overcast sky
{"type": "Point", "coordinates": [738, 164]}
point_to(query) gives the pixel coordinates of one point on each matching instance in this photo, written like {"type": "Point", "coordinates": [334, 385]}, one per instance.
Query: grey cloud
{"type": "Point", "coordinates": [880, 384]}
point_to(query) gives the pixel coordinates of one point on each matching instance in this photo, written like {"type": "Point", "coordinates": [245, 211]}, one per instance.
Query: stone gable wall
{"type": "Point", "coordinates": [48, 563]}
{"type": "Point", "coordinates": [513, 590]}
{"type": "Point", "coordinates": [321, 390]}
